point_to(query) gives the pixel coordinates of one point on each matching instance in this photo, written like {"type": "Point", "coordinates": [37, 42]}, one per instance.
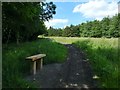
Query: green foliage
{"type": "Point", "coordinates": [22, 21]}
{"type": "Point", "coordinates": [54, 32]}
{"type": "Point", "coordinates": [103, 55]}
{"type": "Point", "coordinates": [71, 31]}
{"type": "Point", "coordinates": [107, 27]}
{"type": "Point", "coordinates": [48, 9]}
{"type": "Point", "coordinates": [15, 67]}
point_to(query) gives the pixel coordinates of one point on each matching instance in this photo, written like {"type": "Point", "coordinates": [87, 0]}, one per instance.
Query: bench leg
{"type": "Point", "coordinates": [34, 67]}
{"type": "Point", "coordinates": [38, 63]}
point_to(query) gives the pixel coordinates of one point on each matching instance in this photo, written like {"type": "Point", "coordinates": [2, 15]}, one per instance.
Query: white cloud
{"type": "Point", "coordinates": [54, 22]}
{"type": "Point", "coordinates": [97, 9]}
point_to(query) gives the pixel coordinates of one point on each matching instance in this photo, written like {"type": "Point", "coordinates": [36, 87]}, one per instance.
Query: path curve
{"type": "Point", "coordinates": [74, 73]}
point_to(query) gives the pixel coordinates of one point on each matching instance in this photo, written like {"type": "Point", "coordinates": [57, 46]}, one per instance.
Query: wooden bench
{"type": "Point", "coordinates": [36, 58]}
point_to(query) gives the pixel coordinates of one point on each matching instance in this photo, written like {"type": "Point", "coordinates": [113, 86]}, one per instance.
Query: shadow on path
{"type": "Point", "coordinates": [74, 73]}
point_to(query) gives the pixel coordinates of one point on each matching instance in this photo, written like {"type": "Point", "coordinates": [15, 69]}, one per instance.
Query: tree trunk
{"type": "Point", "coordinates": [18, 38]}
{"type": "Point", "coordinates": [8, 37]}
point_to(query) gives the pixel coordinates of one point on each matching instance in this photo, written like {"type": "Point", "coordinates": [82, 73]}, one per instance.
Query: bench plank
{"type": "Point", "coordinates": [35, 57]}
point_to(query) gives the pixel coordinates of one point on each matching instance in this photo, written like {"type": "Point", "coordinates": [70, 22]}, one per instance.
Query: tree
{"type": "Point", "coordinates": [114, 26]}
{"type": "Point", "coordinates": [66, 32]}
{"type": "Point", "coordinates": [108, 27]}
{"type": "Point", "coordinates": [22, 20]}
{"type": "Point", "coordinates": [48, 9]}
{"type": "Point", "coordinates": [105, 26]}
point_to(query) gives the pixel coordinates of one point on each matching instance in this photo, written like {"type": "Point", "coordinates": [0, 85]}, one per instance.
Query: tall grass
{"type": "Point", "coordinates": [103, 55]}
{"type": "Point", "coordinates": [15, 67]}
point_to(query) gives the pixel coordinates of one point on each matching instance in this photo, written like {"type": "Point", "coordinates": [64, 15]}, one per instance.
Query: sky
{"type": "Point", "coordinates": [78, 11]}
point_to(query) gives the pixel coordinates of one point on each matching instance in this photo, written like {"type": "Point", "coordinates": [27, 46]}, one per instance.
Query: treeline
{"type": "Point", "coordinates": [107, 27]}
{"type": "Point", "coordinates": [24, 21]}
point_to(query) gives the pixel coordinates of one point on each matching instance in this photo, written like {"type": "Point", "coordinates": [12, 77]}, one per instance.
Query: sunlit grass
{"type": "Point", "coordinates": [66, 40]}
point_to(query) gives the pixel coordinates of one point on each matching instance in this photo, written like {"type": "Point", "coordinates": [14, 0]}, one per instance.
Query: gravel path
{"type": "Point", "coordinates": [74, 73]}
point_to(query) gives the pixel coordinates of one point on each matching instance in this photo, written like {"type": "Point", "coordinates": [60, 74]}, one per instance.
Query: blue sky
{"type": "Point", "coordinates": [64, 11]}
{"type": "Point", "coordinates": [71, 12]}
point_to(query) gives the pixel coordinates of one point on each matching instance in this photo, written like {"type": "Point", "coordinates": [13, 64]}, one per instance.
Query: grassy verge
{"type": "Point", "coordinates": [15, 67]}
{"type": "Point", "coordinates": [103, 55]}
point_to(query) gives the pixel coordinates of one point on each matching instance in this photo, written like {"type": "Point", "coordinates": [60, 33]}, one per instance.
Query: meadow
{"type": "Point", "coordinates": [15, 67]}
{"type": "Point", "coordinates": [102, 53]}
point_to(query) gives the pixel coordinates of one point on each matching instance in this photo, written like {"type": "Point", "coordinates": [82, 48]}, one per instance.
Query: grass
{"type": "Point", "coordinates": [65, 40]}
{"type": "Point", "coordinates": [70, 40]}
{"type": "Point", "coordinates": [15, 67]}
{"type": "Point", "coordinates": [102, 53]}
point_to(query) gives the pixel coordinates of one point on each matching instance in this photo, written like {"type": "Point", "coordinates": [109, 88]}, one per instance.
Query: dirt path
{"type": "Point", "coordinates": [74, 73]}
